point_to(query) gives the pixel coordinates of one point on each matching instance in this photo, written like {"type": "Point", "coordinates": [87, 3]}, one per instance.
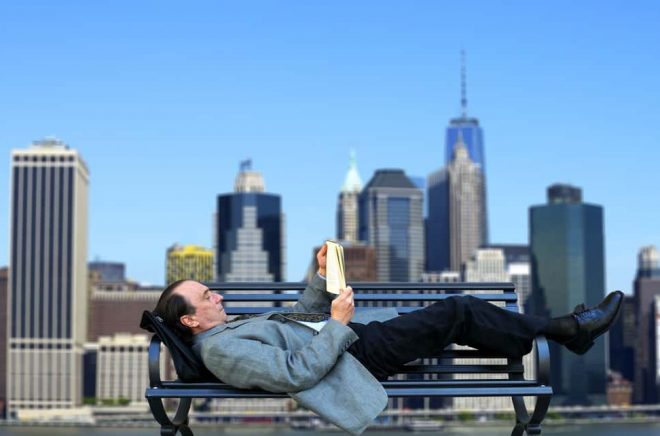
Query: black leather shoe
{"type": "Point", "coordinates": [594, 322]}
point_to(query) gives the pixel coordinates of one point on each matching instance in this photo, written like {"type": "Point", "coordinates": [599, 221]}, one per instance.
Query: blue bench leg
{"type": "Point", "coordinates": [525, 423]}
{"type": "Point", "coordinates": [170, 427]}
{"type": "Point", "coordinates": [542, 404]}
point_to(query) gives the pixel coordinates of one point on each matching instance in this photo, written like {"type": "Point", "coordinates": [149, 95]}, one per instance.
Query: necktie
{"type": "Point", "coordinates": [293, 316]}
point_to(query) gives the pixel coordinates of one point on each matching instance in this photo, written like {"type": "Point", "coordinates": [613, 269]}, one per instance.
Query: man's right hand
{"type": "Point", "coordinates": [343, 308]}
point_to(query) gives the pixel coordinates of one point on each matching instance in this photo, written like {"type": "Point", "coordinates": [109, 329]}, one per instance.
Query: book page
{"type": "Point", "coordinates": [334, 269]}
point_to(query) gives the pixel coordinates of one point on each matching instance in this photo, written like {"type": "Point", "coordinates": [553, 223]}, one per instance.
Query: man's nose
{"type": "Point", "coordinates": [218, 297]}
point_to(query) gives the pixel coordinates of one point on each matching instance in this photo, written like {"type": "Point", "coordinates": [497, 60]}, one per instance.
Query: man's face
{"type": "Point", "coordinates": [209, 311]}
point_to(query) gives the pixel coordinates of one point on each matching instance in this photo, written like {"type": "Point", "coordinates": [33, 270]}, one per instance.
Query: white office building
{"type": "Point", "coordinates": [47, 306]}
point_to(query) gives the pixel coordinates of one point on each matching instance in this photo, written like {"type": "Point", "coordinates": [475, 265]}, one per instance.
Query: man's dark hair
{"type": "Point", "coordinates": [171, 307]}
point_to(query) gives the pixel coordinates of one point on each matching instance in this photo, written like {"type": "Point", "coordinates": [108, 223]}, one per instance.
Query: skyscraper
{"type": "Point", "coordinates": [466, 207]}
{"type": "Point", "coordinates": [457, 217]}
{"type": "Point", "coordinates": [347, 204]}
{"type": "Point", "coordinates": [467, 130]}
{"type": "Point", "coordinates": [456, 220]}
{"type": "Point", "coordinates": [249, 232]}
{"type": "Point", "coordinates": [47, 322]}
{"type": "Point", "coordinates": [189, 262]}
{"type": "Point", "coordinates": [437, 222]}
{"type": "Point", "coordinates": [647, 287]}
{"type": "Point", "coordinates": [390, 219]}
{"type": "Point", "coordinates": [566, 243]}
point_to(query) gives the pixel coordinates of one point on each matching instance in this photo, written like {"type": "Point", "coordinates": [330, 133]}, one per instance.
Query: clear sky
{"type": "Point", "coordinates": [164, 99]}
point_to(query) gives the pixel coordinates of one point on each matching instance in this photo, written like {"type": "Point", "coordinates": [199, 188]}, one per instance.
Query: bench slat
{"type": "Point", "coordinates": [253, 297]}
{"type": "Point", "coordinates": [370, 286]}
{"type": "Point", "coordinates": [497, 391]}
{"type": "Point", "coordinates": [514, 368]}
{"type": "Point", "coordinates": [387, 384]}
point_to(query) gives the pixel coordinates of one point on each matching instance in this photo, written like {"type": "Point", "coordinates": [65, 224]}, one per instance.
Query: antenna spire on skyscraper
{"type": "Point", "coordinates": [463, 85]}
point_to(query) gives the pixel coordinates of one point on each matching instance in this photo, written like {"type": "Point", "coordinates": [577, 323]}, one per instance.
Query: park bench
{"type": "Point", "coordinates": [505, 379]}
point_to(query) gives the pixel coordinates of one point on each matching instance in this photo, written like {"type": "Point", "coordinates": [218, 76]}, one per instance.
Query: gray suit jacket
{"type": "Point", "coordinates": [276, 354]}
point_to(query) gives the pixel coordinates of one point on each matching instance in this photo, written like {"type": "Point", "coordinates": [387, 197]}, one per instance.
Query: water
{"type": "Point", "coordinates": [568, 430]}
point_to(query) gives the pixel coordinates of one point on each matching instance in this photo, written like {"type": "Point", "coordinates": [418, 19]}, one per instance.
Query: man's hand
{"type": "Point", "coordinates": [322, 258]}
{"type": "Point", "coordinates": [343, 308]}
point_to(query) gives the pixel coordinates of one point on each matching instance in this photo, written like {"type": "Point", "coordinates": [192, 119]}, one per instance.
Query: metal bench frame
{"type": "Point", "coordinates": [406, 297]}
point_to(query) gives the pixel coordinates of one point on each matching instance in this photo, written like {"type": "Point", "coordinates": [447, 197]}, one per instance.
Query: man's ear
{"type": "Point", "coordinates": [188, 321]}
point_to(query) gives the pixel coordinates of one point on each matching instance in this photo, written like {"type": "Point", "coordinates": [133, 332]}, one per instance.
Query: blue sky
{"type": "Point", "coordinates": [164, 99]}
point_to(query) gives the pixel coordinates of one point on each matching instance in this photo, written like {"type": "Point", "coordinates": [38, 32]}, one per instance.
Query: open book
{"type": "Point", "coordinates": [334, 268]}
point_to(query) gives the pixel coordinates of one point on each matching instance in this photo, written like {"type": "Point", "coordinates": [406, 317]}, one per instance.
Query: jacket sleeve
{"type": "Point", "coordinates": [315, 298]}
{"type": "Point", "coordinates": [250, 363]}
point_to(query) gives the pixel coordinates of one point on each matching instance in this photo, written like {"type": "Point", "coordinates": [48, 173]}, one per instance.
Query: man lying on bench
{"type": "Point", "coordinates": [330, 358]}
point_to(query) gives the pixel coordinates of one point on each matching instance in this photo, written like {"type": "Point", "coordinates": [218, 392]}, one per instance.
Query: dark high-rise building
{"type": "Point", "coordinates": [3, 340]}
{"type": "Point", "coordinates": [437, 222]}
{"type": "Point", "coordinates": [48, 277]}
{"type": "Point", "coordinates": [249, 232]}
{"type": "Point", "coordinates": [390, 219]}
{"type": "Point", "coordinates": [566, 243]}
{"type": "Point", "coordinates": [647, 286]}
{"type": "Point", "coordinates": [623, 341]}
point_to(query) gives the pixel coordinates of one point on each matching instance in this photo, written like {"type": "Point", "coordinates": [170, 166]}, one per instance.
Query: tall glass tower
{"type": "Point", "coordinates": [249, 232]}
{"type": "Point", "coordinates": [466, 131]}
{"type": "Point", "coordinates": [47, 315]}
{"type": "Point", "coordinates": [391, 219]}
{"type": "Point", "coordinates": [467, 128]}
{"type": "Point", "coordinates": [566, 245]}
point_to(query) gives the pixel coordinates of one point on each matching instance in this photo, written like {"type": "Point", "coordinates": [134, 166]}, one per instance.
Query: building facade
{"type": "Point", "coordinates": [391, 220]}
{"type": "Point", "coordinates": [647, 287]}
{"type": "Point", "coordinates": [359, 262]}
{"type": "Point", "coordinates": [112, 312]}
{"type": "Point", "coordinates": [624, 342]}
{"type": "Point", "coordinates": [250, 237]}
{"type": "Point", "coordinates": [122, 371]}
{"type": "Point", "coordinates": [490, 265]}
{"type": "Point", "coordinates": [467, 212]}
{"type": "Point", "coordinates": [486, 265]}
{"type": "Point", "coordinates": [189, 262]}
{"type": "Point", "coordinates": [47, 322]}
{"type": "Point", "coordinates": [108, 272]}
{"type": "Point", "coordinates": [568, 268]}
{"type": "Point", "coordinates": [347, 204]}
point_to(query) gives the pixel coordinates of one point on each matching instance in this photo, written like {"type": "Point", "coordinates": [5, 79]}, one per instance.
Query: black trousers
{"type": "Point", "coordinates": [383, 347]}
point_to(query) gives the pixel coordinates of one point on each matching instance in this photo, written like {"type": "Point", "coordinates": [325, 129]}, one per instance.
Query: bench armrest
{"type": "Point", "coordinates": [542, 360]}
{"type": "Point", "coordinates": [154, 362]}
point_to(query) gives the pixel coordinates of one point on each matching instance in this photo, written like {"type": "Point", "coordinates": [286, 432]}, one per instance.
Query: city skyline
{"type": "Point", "coordinates": [163, 121]}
